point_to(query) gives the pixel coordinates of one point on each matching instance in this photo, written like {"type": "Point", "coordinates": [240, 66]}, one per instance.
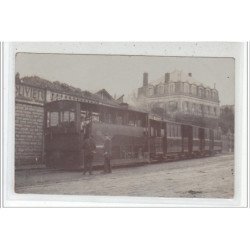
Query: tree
{"type": "Point", "coordinates": [226, 120]}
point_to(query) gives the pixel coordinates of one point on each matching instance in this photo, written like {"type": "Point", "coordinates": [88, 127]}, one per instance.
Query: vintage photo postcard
{"type": "Point", "coordinates": [128, 127]}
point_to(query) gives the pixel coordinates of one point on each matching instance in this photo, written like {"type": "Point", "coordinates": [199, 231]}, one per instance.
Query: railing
{"type": "Point", "coordinates": [215, 99]}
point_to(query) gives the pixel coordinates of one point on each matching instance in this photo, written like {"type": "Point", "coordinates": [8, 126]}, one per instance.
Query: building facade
{"type": "Point", "coordinates": [180, 97]}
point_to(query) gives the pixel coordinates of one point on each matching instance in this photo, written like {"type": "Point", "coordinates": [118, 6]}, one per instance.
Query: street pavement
{"type": "Point", "coordinates": [210, 177]}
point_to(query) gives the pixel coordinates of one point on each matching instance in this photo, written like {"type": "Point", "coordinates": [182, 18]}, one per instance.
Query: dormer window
{"type": "Point", "coordinates": [172, 88]}
{"type": "Point", "coordinates": [208, 94]}
{"type": "Point", "coordinates": [186, 88]}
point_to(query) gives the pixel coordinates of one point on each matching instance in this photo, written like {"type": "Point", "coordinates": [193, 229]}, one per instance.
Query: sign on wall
{"type": "Point", "coordinates": [38, 95]}
{"type": "Point", "coordinates": [29, 93]}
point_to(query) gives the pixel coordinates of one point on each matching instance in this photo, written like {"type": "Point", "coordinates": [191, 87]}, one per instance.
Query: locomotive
{"type": "Point", "coordinates": [137, 136]}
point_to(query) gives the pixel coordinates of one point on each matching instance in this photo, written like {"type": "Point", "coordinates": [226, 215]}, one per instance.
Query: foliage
{"type": "Point", "coordinates": [226, 120]}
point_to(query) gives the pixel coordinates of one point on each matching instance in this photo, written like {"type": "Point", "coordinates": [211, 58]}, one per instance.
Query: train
{"type": "Point", "coordinates": [137, 136]}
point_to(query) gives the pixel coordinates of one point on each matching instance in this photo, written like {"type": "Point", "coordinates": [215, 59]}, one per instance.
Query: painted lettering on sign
{"type": "Point", "coordinates": [30, 93]}
{"type": "Point", "coordinates": [54, 96]}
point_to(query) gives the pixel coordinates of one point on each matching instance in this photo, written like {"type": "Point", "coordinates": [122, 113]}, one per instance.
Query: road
{"type": "Point", "coordinates": [210, 177]}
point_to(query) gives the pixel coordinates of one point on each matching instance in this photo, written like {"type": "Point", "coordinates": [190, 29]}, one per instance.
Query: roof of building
{"type": "Point", "coordinates": [102, 96]}
{"type": "Point", "coordinates": [179, 76]}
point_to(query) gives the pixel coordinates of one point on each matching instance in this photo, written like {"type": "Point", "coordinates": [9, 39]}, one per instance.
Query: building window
{"type": "Point", "coordinates": [166, 88]}
{"type": "Point", "coordinates": [168, 130]}
{"type": "Point", "coordinates": [185, 106]}
{"type": "Point", "coordinates": [179, 130]}
{"type": "Point", "coordinates": [172, 88]}
{"type": "Point", "coordinates": [208, 94]}
{"type": "Point", "coordinates": [195, 132]}
{"type": "Point", "coordinates": [215, 111]}
{"type": "Point", "coordinates": [194, 90]}
{"type": "Point", "coordinates": [173, 106]}
{"type": "Point", "coordinates": [186, 88]}
{"type": "Point", "coordinates": [200, 109]}
{"type": "Point", "coordinates": [161, 89]}
{"type": "Point", "coordinates": [214, 94]}
{"type": "Point", "coordinates": [193, 108]}
{"type": "Point", "coordinates": [151, 91]}
{"type": "Point", "coordinates": [201, 92]}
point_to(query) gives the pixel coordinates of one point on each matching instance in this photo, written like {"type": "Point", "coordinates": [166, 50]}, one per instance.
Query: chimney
{"type": "Point", "coordinates": [167, 77]}
{"type": "Point", "coordinates": [190, 74]}
{"type": "Point", "coordinates": [145, 79]}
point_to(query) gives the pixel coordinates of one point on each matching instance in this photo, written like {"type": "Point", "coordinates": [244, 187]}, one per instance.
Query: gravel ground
{"type": "Point", "coordinates": [210, 177]}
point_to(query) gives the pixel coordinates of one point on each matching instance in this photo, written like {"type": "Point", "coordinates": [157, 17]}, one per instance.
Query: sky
{"type": "Point", "coordinates": [123, 74]}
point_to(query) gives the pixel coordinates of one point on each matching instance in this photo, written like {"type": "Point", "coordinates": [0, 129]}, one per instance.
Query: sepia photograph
{"type": "Point", "coordinates": [124, 125]}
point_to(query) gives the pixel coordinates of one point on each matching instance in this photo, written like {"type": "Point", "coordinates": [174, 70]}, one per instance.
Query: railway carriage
{"type": "Point", "coordinates": [182, 140]}
{"type": "Point", "coordinates": [156, 135]}
{"type": "Point", "coordinates": [68, 123]}
{"type": "Point", "coordinates": [136, 136]}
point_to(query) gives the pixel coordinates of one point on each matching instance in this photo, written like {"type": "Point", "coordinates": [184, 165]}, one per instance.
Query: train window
{"type": "Point", "coordinates": [131, 123]}
{"type": "Point", "coordinates": [119, 120]}
{"type": "Point", "coordinates": [179, 130]}
{"type": "Point", "coordinates": [131, 119]}
{"type": "Point", "coordinates": [205, 133]}
{"type": "Point", "coordinates": [175, 131]}
{"type": "Point", "coordinates": [48, 119]}
{"type": "Point", "coordinates": [152, 131]}
{"type": "Point", "coordinates": [195, 135]}
{"type": "Point", "coordinates": [215, 134]}
{"type": "Point", "coordinates": [215, 111]}
{"type": "Point", "coordinates": [54, 119]}
{"type": "Point", "coordinates": [219, 135]}
{"type": "Point", "coordinates": [107, 118]}
{"type": "Point", "coordinates": [167, 130]}
{"type": "Point", "coordinates": [64, 118]}
{"type": "Point", "coordinates": [95, 117]}
{"type": "Point", "coordinates": [158, 132]}
{"type": "Point", "coordinates": [170, 130]}
{"type": "Point", "coordinates": [162, 132]}
{"type": "Point", "coordinates": [71, 116]}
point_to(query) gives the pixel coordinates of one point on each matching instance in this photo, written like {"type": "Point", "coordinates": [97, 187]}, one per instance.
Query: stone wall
{"type": "Point", "coordinates": [29, 120]}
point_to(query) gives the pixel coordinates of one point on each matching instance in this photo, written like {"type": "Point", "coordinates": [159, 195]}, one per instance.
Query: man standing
{"type": "Point", "coordinates": [107, 154]}
{"type": "Point", "coordinates": [88, 153]}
